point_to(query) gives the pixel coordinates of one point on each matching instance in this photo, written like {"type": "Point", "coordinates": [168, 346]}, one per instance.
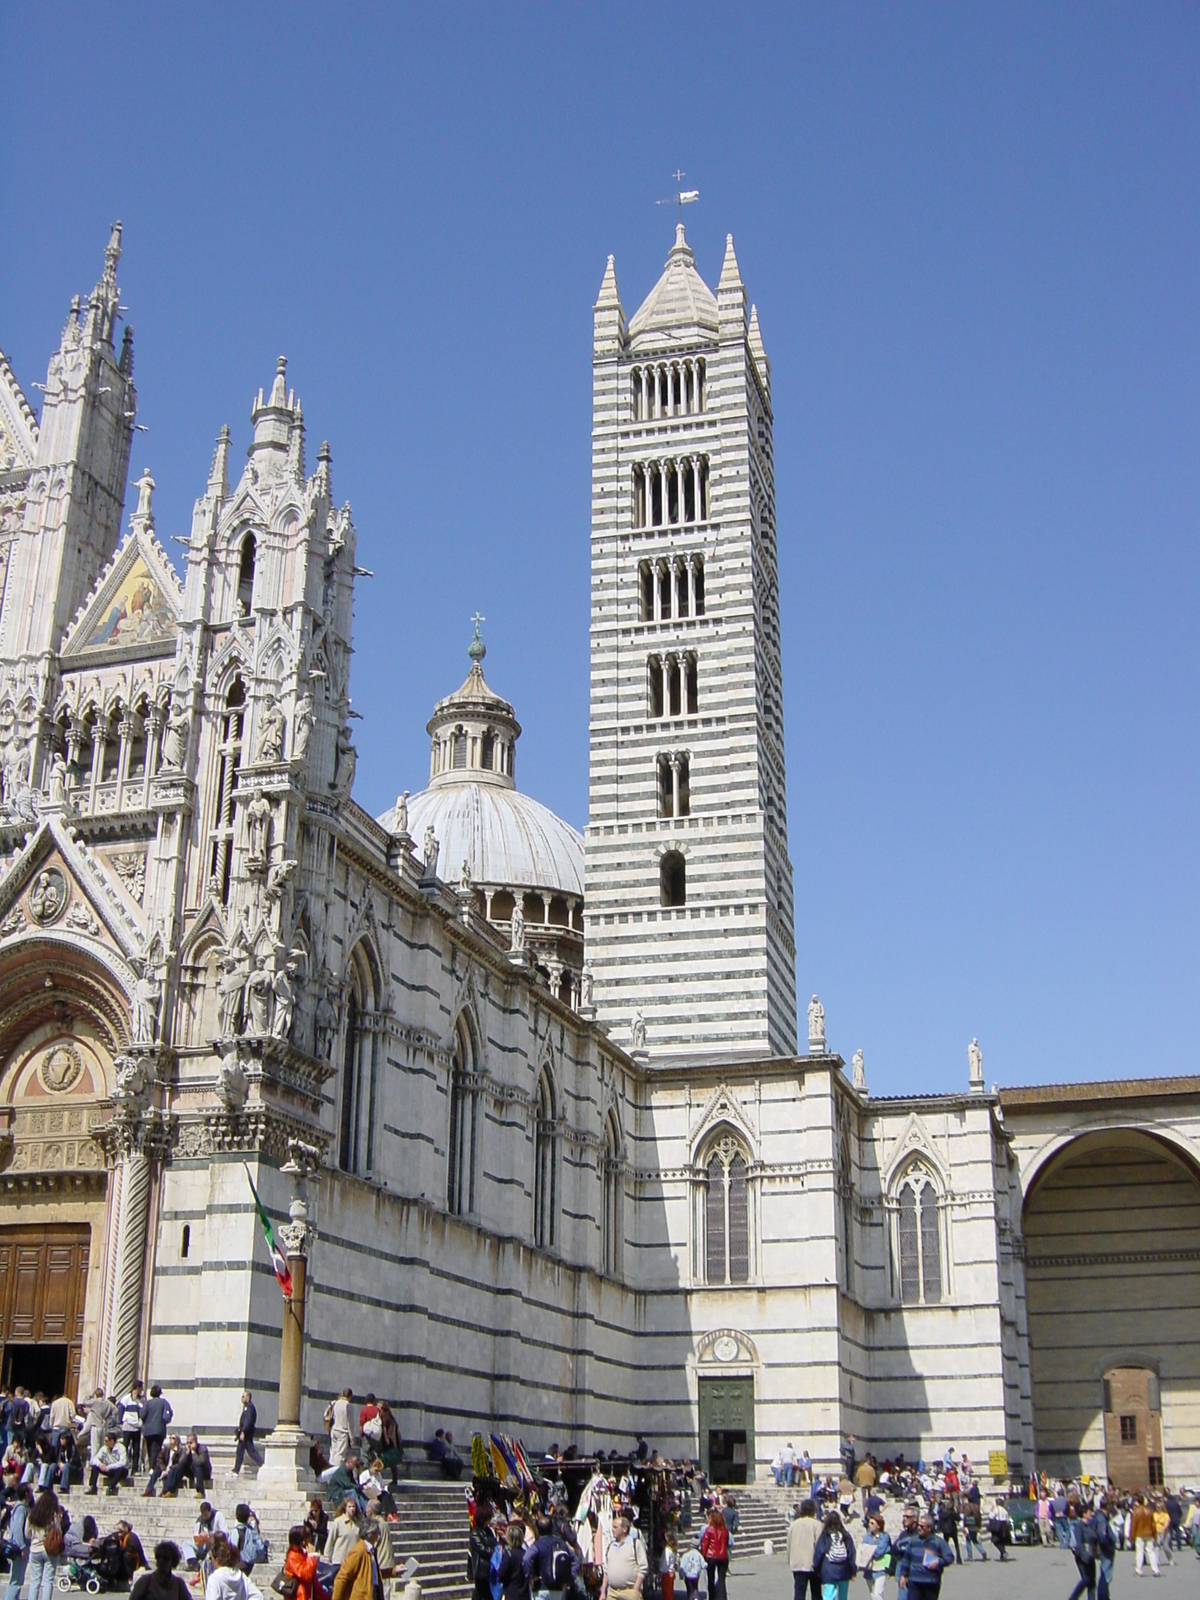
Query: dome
{"type": "Point", "coordinates": [507, 839]}
{"type": "Point", "coordinates": [680, 303]}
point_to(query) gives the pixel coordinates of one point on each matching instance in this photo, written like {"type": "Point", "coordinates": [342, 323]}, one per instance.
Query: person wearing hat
{"type": "Point", "coordinates": [110, 1460]}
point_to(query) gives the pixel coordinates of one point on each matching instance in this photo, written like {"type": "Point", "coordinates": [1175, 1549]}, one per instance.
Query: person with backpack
{"type": "Point", "coordinates": [924, 1558]}
{"type": "Point", "coordinates": [833, 1558]}
{"type": "Point", "coordinates": [550, 1564]}
{"type": "Point", "coordinates": [626, 1563]}
{"type": "Point", "coordinates": [45, 1524]}
{"type": "Point", "coordinates": [691, 1569]}
{"type": "Point", "coordinates": [16, 1540]}
{"type": "Point", "coordinates": [970, 1525]}
{"type": "Point", "coordinates": [247, 1538]}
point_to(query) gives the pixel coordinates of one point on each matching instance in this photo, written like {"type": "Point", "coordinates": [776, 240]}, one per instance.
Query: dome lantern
{"type": "Point", "coordinates": [474, 732]}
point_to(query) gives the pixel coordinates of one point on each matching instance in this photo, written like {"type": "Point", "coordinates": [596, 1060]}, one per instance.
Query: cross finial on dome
{"type": "Point", "coordinates": [477, 649]}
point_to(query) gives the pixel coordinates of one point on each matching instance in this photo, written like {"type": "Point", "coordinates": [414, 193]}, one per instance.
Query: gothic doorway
{"type": "Point", "coordinates": [43, 1282]}
{"type": "Point", "coordinates": [727, 1429]}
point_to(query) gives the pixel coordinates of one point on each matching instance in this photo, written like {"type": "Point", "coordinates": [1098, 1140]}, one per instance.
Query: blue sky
{"type": "Point", "coordinates": [972, 237]}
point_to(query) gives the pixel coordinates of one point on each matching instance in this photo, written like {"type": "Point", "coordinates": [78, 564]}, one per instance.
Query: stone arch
{"type": "Point", "coordinates": [1110, 1217]}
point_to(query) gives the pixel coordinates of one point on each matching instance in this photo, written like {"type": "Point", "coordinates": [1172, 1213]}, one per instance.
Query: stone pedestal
{"type": "Point", "coordinates": [285, 1473]}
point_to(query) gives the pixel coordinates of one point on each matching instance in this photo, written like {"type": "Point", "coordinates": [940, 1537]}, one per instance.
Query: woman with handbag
{"type": "Point", "coordinates": [45, 1545]}
{"type": "Point", "coordinates": [16, 1540]}
{"type": "Point", "coordinates": [298, 1580]}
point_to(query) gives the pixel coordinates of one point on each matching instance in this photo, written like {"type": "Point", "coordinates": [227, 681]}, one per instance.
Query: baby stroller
{"type": "Point", "coordinates": [103, 1570]}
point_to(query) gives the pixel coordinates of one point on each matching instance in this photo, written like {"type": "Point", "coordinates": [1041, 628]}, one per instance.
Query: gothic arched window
{"type": "Point", "coordinates": [610, 1221]}
{"type": "Point", "coordinates": [229, 759]}
{"type": "Point", "coordinates": [727, 1215]}
{"type": "Point", "coordinates": [460, 1166]}
{"type": "Point", "coordinates": [356, 1115]}
{"type": "Point", "coordinates": [919, 1240]}
{"type": "Point", "coordinates": [545, 1164]}
{"type": "Point", "coordinates": [245, 589]}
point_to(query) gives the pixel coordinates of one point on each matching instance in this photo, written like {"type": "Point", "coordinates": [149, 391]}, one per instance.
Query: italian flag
{"type": "Point", "coordinates": [278, 1259]}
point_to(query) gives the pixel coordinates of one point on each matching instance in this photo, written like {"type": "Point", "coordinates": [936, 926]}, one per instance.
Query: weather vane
{"type": "Point", "coordinates": [682, 197]}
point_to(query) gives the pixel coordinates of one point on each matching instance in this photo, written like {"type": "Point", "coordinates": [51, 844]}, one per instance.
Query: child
{"type": "Point", "coordinates": [666, 1568]}
{"type": "Point", "coordinates": [691, 1565]}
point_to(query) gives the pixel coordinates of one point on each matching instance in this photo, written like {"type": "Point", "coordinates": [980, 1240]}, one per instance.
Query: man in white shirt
{"type": "Point", "coordinates": [110, 1460]}
{"type": "Point", "coordinates": [625, 1563]}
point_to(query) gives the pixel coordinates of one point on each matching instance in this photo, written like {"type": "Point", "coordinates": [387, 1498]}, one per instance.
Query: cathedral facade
{"type": "Point", "coordinates": [573, 1166]}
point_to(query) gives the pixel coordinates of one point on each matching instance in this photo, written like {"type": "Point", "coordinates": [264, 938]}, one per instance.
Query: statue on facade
{"type": "Point", "coordinates": [302, 726]}
{"type": "Point", "coordinates": [231, 1082]}
{"type": "Point", "coordinates": [259, 990]}
{"type": "Point", "coordinates": [400, 825]}
{"type": "Point", "coordinates": [638, 1032]}
{"type": "Point", "coordinates": [816, 1026]}
{"type": "Point", "coordinates": [175, 738]}
{"type": "Point", "coordinates": [429, 852]}
{"type": "Point", "coordinates": [56, 781]}
{"type": "Point", "coordinates": [517, 928]}
{"type": "Point", "coordinates": [271, 729]}
{"type": "Point", "coordinates": [589, 987]}
{"type": "Point", "coordinates": [285, 1001]}
{"type": "Point", "coordinates": [326, 1021]}
{"type": "Point", "coordinates": [346, 762]}
{"type": "Point", "coordinates": [147, 992]}
{"type": "Point", "coordinates": [975, 1062]}
{"type": "Point", "coordinates": [858, 1071]}
{"type": "Point", "coordinates": [258, 831]}
{"type": "Point", "coordinates": [230, 988]}
{"type": "Point", "coordinates": [145, 487]}
{"type": "Point", "coordinates": [464, 877]}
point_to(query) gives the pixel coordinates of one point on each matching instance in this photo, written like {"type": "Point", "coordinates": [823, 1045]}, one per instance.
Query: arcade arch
{"type": "Point", "coordinates": [1112, 1286]}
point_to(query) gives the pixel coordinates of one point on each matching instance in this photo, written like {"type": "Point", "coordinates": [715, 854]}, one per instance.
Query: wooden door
{"type": "Point", "coordinates": [43, 1289]}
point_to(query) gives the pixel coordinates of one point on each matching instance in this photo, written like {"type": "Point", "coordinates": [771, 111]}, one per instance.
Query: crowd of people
{"type": "Point", "coordinates": [108, 1440]}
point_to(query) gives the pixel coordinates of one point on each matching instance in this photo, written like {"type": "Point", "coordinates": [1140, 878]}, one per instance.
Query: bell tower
{"type": "Point", "coordinates": [689, 921]}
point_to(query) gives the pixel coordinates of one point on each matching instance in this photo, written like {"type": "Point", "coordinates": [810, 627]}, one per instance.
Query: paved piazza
{"type": "Point", "coordinates": [1029, 1574]}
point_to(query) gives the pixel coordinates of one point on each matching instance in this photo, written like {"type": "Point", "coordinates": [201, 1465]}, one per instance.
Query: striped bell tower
{"type": "Point", "coordinates": [689, 922]}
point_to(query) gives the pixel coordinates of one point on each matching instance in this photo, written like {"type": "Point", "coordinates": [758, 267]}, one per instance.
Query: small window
{"type": "Point", "coordinates": [460, 751]}
{"type": "Point", "coordinates": [185, 1241]}
{"type": "Point", "coordinates": [672, 879]}
{"type": "Point", "coordinates": [645, 592]}
{"type": "Point", "coordinates": [245, 591]}
{"type": "Point", "coordinates": [1154, 1466]}
{"type": "Point", "coordinates": [1128, 1430]}
{"type": "Point", "coordinates": [487, 752]}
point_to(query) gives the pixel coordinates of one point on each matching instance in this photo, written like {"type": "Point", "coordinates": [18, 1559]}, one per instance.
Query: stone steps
{"type": "Point", "coordinates": [431, 1525]}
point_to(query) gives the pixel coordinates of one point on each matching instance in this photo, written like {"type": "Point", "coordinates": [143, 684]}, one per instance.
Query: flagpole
{"type": "Point", "coordinates": [285, 1472]}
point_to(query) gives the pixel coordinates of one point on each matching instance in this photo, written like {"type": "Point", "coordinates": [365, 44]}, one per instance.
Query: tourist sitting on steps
{"type": "Point", "coordinates": [171, 1454]}
{"type": "Point", "coordinates": [343, 1482]}
{"type": "Point", "coordinates": [441, 1450]}
{"type": "Point", "coordinates": [112, 1462]}
{"type": "Point", "coordinates": [209, 1524]}
{"type": "Point", "coordinates": [195, 1463]}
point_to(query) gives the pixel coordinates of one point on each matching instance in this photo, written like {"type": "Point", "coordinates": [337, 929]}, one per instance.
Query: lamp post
{"type": "Point", "coordinates": [285, 1471]}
